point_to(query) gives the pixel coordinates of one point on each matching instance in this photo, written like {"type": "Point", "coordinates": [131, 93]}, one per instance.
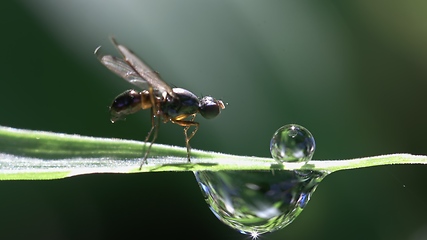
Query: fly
{"type": "Point", "coordinates": [167, 104]}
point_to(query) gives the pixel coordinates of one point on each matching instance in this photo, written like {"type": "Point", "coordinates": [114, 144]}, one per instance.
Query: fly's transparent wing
{"type": "Point", "coordinates": [152, 77]}
{"type": "Point", "coordinates": [122, 69]}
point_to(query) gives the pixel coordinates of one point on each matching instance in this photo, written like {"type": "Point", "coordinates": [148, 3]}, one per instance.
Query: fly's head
{"type": "Point", "coordinates": [209, 107]}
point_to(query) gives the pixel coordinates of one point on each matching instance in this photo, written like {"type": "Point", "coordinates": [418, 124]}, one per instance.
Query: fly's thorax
{"type": "Point", "coordinates": [125, 104]}
{"type": "Point", "coordinates": [185, 95]}
{"type": "Point", "coordinates": [183, 104]}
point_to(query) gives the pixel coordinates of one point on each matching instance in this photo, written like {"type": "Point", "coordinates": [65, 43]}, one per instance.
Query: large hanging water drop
{"type": "Point", "coordinates": [256, 202]}
{"type": "Point", "coordinates": [292, 143]}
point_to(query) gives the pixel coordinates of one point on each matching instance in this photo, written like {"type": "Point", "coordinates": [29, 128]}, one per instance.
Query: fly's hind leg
{"type": "Point", "coordinates": [154, 127]}
{"type": "Point", "coordinates": [187, 124]}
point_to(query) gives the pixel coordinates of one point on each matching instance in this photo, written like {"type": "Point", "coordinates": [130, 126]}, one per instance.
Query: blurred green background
{"type": "Point", "coordinates": [354, 73]}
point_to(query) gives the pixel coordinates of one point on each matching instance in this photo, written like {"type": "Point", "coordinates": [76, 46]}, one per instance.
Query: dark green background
{"type": "Point", "coordinates": [353, 73]}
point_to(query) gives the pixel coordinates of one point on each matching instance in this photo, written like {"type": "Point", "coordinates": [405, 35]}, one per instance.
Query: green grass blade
{"type": "Point", "coordinates": [26, 154]}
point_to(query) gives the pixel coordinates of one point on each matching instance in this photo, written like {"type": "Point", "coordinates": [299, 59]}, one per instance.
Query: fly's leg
{"type": "Point", "coordinates": [154, 127]}
{"type": "Point", "coordinates": [187, 125]}
{"type": "Point", "coordinates": [192, 123]}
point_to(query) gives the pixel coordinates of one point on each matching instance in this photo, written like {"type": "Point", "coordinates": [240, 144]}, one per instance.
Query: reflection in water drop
{"type": "Point", "coordinates": [256, 202]}
{"type": "Point", "coordinates": [292, 143]}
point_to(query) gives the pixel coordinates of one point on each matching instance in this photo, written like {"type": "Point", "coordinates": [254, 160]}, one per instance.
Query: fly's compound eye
{"type": "Point", "coordinates": [124, 104]}
{"type": "Point", "coordinates": [209, 107]}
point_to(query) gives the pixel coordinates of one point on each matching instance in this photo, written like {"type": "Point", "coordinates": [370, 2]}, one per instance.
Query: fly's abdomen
{"type": "Point", "coordinates": [126, 103]}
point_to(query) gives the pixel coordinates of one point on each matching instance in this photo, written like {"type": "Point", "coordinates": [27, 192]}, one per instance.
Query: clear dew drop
{"type": "Point", "coordinates": [292, 143]}
{"type": "Point", "coordinates": [256, 202]}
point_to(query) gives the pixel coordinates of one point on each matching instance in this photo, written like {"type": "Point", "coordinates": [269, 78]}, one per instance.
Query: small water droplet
{"type": "Point", "coordinates": [292, 143]}
{"type": "Point", "coordinates": [257, 201]}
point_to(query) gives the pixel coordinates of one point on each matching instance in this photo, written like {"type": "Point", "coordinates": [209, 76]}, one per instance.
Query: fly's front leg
{"type": "Point", "coordinates": [193, 123]}
{"type": "Point", "coordinates": [187, 125]}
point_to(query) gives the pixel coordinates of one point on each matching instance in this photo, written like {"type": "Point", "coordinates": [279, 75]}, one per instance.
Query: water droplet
{"type": "Point", "coordinates": [256, 202]}
{"type": "Point", "coordinates": [292, 143]}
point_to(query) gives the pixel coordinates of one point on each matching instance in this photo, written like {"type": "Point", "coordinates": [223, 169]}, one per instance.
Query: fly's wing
{"type": "Point", "coordinates": [122, 69]}
{"type": "Point", "coordinates": [152, 77]}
